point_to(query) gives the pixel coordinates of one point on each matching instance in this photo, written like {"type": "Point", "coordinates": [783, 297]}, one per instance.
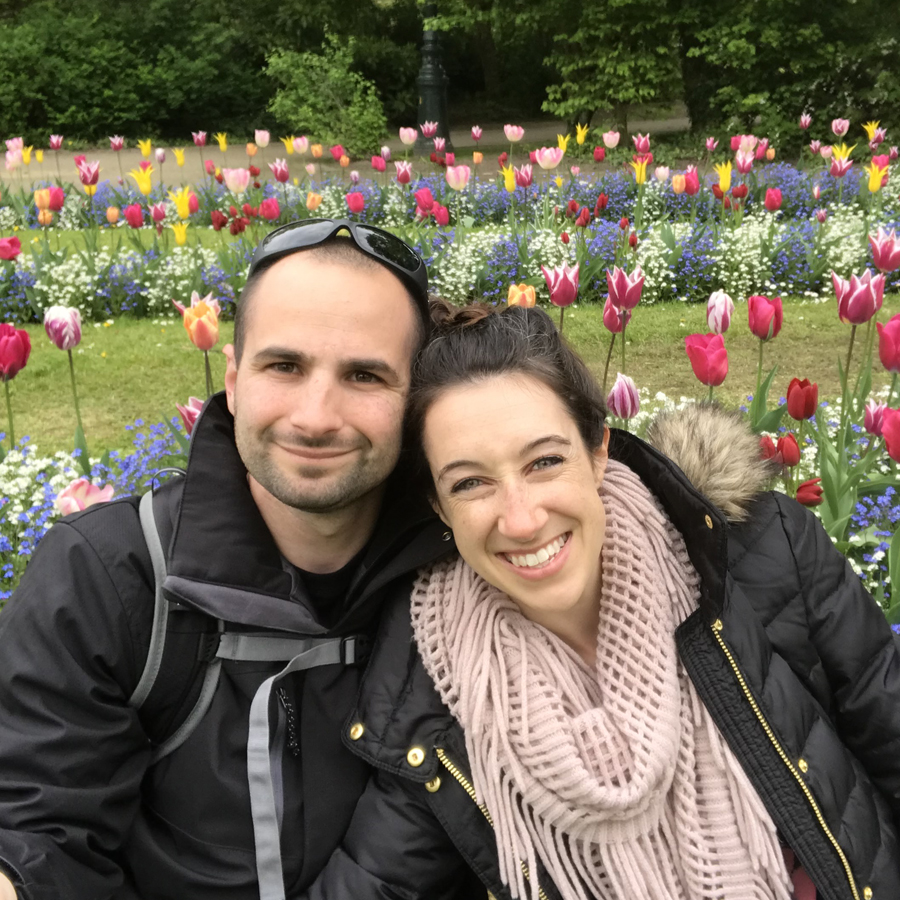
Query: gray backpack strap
{"type": "Point", "coordinates": [160, 604]}
{"type": "Point", "coordinates": [261, 765]}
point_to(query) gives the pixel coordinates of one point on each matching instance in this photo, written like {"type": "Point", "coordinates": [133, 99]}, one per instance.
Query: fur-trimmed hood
{"type": "Point", "coordinates": [718, 453]}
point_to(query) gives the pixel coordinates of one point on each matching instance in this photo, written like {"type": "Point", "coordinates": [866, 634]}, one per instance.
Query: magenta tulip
{"type": "Point", "coordinates": [116, 142]}
{"type": "Point", "coordinates": [356, 202]}
{"type": "Point", "coordinates": [885, 250]}
{"type": "Point", "coordinates": [890, 431]}
{"type": "Point", "coordinates": [805, 121]}
{"type": "Point", "coordinates": [859, 298]}
{"type": "Point", "coordinates": [269, 209]}
{"type": "Point", "coordinates": [134, 215]}
{"type": "Point", "coordinates": [524, 175]}
{"type": "Point", "coordinates": [765, 316]}
{"type": "Point", "coordinates": [10, 248]}
{"type": "Point", "coordinates": [379, 164]}
{"type": "Point", "coordinates": [280, 170]}
{"type": "Point", "coordinates": [404, 172]}
{"type": "Point", "coordinates": [56, 142]}
{"type": "Point", "coordinates": [873, 420]}
{"type": "Point", "coordinates": [15, 348]}
{"type": "Point", "coordinates": [623, 400]}
{"type": "Point", "coordinates": [708, 356]}
{"type": "Point", "coordinates": [624, 289]}
{"type": "Point", "coordinates": [563, 284]}
{"type": "Point", "coordinates": [889, 343]}
{"type": "Point", "coordinates": [428, 129]}
{"type": "Point", "coordinates": [476, 133]}
{"type": "Point", "coordinates": [773, 199]}
{"type": "Point", "coordinates": [615, 319]}
{"type": "Point", "coordinates": [199, 138]}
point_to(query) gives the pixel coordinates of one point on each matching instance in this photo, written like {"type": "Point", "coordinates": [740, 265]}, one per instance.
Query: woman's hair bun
{"type": "Point", "coordinates": [448, 317]}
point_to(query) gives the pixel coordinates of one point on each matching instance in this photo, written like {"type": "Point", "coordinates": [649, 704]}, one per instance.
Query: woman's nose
{"type": "Point", "coordinates": [522, 516]}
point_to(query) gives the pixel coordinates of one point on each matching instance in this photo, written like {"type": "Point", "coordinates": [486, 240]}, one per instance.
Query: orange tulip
{"type": "Point", "coordinates": [770, 154]}
{"type": "Point", "coordinates": [679, 182]}
{"type": "Point", "coordinates": [312, 201]}
{"type": "Point", "coordinates": [42, 199]}
{"type": "Point", "coordinates": [201, 320]}
{"type": "Point", "coordinates": [477, 158]}
{"type": "Point", "coordinates": [521, 295]}
{"type": "Point", "coordinates": [316, 150]}
{"type": "Point", "coordinates": [112, 214]}
{"type": "Point", "coordinates": [45, 217]}
{"type": "Point", "coordinates": [251, 149]}
{"type": "Point", "coordinates": [344, 161]}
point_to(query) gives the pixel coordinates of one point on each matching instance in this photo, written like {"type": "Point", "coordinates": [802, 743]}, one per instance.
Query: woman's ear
{"type": "Point", "coordinates": [601, 456]}
{"type": "Point", "coordinates": [436, 506]}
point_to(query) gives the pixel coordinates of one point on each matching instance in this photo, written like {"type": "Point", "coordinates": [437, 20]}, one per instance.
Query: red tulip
{"type": "Point", "coordinates": [624, 223]}
{"type": "Point", "coordinates": [890, 431]}
{"type": "Point", "coordinates": [718, 193]}
{"type": "Point", "coordinates": [57, 198]}
{"type": "Point", "coordinates": [889, 343]}
{"type": "Point", "coordinates": [134, 215]}
{"type": "Point", "coordinates": [802, 399]}
{"type": "Point", "coordinates": [356, 202]}
{"type": "Point", "coordinates": [15, 347]}
{"type": "Point", "coordinates": [788, 450]}
{"type": "Point", "coordinates": [739, 191]}
{"type": "Point", "coordinates": [584, 218]}
{"type": "Point", "coordinates": [767, 449]}
{"type": "Point", "coordinates": [599, 154]}
{"type": "Point", "coordinates": [219, 219]}
{"type": "Point", "coordinates": [269, 209]}
{"type": "Point", "coordinates": [765, 316]}
{"type": "Point", "coordinates": [602, 203]}
{"type": "Point", "coordinates": [564, 237]}
{"type": "Point", "coordinates": [337, 151]}
{"type": "Point", "coordinates": [691, 182]}
{"type": "Point", "coordinates": [563, 284]}
{"type": "Point", "coordinates": [708, 356]}
{"type": "Point", "coordinates": [10, 248]}
{"type": "Point", "coordinates": [441, 215]}
{"type": "Point", "coordinates": [773, 199]}
{"type": "Point", "coordinates": [810, 492]}
{"type": "Point", "coordinates": [503, 159]}
{"type": "Point", "coordinates": [378, 163]}
{"type": "Point", "coordinates": [424, 201]}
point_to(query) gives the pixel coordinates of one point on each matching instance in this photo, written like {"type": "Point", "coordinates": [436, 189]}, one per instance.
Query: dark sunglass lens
{"type": "Point", "coordinates": [390, 248]}
{"type": "Point", "coordinates": [297, 235]}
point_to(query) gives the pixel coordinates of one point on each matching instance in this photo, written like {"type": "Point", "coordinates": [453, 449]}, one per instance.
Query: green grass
{"type": "Point", "coordinates": [137, 369]}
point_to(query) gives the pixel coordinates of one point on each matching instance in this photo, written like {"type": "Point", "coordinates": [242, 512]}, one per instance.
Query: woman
{"type": "Point", "coordinates": [627, 685]}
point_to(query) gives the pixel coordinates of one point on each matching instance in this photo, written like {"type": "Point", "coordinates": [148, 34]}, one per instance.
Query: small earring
{"type": "Point", "coordinates": [447, 536]}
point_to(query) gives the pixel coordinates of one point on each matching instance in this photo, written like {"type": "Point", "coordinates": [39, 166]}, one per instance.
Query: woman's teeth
{"type": "Point", "coordinates": [541, 557]}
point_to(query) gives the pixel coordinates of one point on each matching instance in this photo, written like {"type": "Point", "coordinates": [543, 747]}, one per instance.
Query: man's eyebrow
{"type": "Point", "coordinates": [377, 366]}
{"type": "Point", "coordinates": [281, 354]}
{"type": "Point", "coordinates": [531, 445]}
{"type": "Point", "coordinates": [285, 354]}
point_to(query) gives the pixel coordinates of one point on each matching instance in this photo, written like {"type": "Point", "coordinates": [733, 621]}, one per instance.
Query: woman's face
{"type": "Point", "coordinates": [518, 487]}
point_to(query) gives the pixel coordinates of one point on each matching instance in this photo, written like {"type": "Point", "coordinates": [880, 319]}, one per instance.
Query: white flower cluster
{"type": "Point", "coordinates": [175, 275]}
{"type": "Point", "coordinates": [459, 266]}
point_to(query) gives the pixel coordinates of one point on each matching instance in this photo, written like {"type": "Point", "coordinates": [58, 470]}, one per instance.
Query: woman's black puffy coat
{"type": "Point", "coordinates": [791, 656]}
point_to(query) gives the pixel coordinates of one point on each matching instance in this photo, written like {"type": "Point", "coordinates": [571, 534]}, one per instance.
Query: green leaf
{"type": "Point", "coordinates": [84, 459]}
{"type": "Point", "coordinates": [758, 404]}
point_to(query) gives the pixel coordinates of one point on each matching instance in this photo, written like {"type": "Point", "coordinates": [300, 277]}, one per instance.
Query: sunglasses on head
{"type": "Point", "coordinates": [382, 245]}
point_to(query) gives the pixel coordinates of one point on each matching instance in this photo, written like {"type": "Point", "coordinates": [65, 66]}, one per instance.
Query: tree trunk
{"type": "Point", "coordinates": [490, 62]}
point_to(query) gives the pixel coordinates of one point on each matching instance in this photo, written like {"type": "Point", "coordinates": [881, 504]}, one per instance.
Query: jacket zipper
{"type": "Point", "coordinates": [716, 628]}
{"type": "Point", "coordinates": [467, 787]}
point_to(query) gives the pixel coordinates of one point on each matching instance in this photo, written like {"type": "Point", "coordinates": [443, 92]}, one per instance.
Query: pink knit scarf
{"type": "Point", "coordinates": [615, 778]}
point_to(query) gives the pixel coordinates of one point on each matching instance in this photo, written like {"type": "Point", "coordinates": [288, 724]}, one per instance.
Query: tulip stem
{"type": "Point", "coordinates": [759, 371]}
{"type": "Point", "coordinates": [849, 353]}
{"type": "Point", "coordinates": [624, 323]}
{"type": "Point", "coordinates": [890, 395]}
{"type": "Point", "coordinates": [210, 390]}
{"type": "Point", "coordinates": [612, 344]}
{"type": "Point", "coordinates": [562, 313]}
{"type": "Point", "coordinates": [710, 396]}
{"type": "Point", "coordinates": [12, 434]}
{"type": "Point", "coordinates": [75, 392]}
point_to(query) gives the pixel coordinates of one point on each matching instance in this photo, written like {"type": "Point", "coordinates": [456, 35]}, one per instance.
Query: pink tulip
{"type": "Point", "coordinates": [280, 170]}
{"type": "Point", "coordinates": [549, 157]}
{"type": "Point", "coordinates": [817, 192]}
{"type": "Point", "coordinates": [15, 348]}
{"type": "Point", "coordinates": [158, 212]}
{"type": "Point", "coordinates": [269, 209]}
{"type": "Point", "coordinates": [743, 161]}
{"type": "Point", "coordinates": [747, 142]}
{"type": "Point", "coordinates": [615, 319]}
{"type": "Point", "coordinates": [708, 356]}
{"type": "Point", "coordinates": [81, 494]}
{"type": "Point", "coordinates": [641, 143]}
{"type": "Point", "coordinates": [428, 129]}
{"type": "Point", "coordinates": [840, 167]}
{"type": "Point", "coordinates": [623, 400]}
{"type": "Point", "coordinates": [563, 284]}
{"type": "Point", "coordinates": [821, 216]}
{"type": "Point", "coordinates": [199, 138]}
{"type": "Point", "coordinates": [773, 199]}
{"type": "Point", "coordinates": [63, 326]}
{"type": "Point", "coordinates": [815, 147]}
{"type": "Point", "coordinates": [134, 215]}
{"type": "Point", "coordinates": [378, 163]}
{"type": "Point", "coordinates": [805, 121]}
{"type": "Point", "coordinates": [575, 170]}
{"type": "Point", "coordinates": [514, 133]}
{"type": "Point", "coordinates": [661, 173]}
{"type": "Point", "coordinates": [890, 431]}
{"type": "Point", "coordinates": [116, 142]}
{"type": "Point", "coordinates": [386, 153]}
{"type": "Point", "coordinates": [719, 309]}
{"type": "Point", "coordinates": [449, 159]}
{"type": "Point", "coordinates": [874, 417]}
{"type": "Point", "coordinates": [624, 289]}
{"type": "Point", "coordinates": [310, 169]}
{"type": "Point", "coordinates": [524, 175]}
{"type": "Point", "coordinates": [735, 141]}
{"type": "Point", "coordinates": [210, 167]}
{"type": "Point", "coordinates": [711, 144]}
{"type": "Point", "coordinates": [441, 215]}
{"type": "Point", "coordinates": [356, 202]}
{"type": "Point", "coordinates": [440, 144]}
{"type": "Point", "coordinates": [301, 144]}
{"type": "Point", "coordinates": [825, 151]}
{"type": "Point", "coordinates": [404, 171]}
{"type": "Point", "coordinates": [236, 180]}
{"type": "Point", "coordinates": [860, 298]}
{"type": "Point", "coordinates": [885, 250]}
{"type": "Point", "coordinates": [261, 138]}
{"type": "Point", "coordinates": [337, 151]}
{"type": "Point", "coordinates": [10, 248]}
{"type": "Point", "coordinates": [765, 315]}
{"type": "Point", "coordinates": [893, 154]}
{"type": "Point", "coordinates": [13, 159]}
{"type": "Point", "coordinates": [408, 136]}
{"type": "Point", "coordinates": [160, 155]}
{"type": "Point", "coordinates": [89, 172]}
{"type": "Point", "coordinates": [56, 142]}
{"type": "Point", "coordinates": [190, 413]}
{"type": "Point", "coordinates": [840, 127]}
{"type": "Point", "coordinates": [476, 133]}
{"type": "Point", "coordinates": [354, 176]}
{"type": "Point", "coordinates": [611, 139]}
{"type": "Point", "coordinates": [761, 148]}
{"type": "Point", "coordinates": [889, 344]}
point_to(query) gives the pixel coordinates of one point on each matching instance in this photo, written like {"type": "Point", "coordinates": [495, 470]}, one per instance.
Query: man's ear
{"type": "Point", "coordinates": [230, 375]}
{"type": "Point", "coordinates": [601, 457]}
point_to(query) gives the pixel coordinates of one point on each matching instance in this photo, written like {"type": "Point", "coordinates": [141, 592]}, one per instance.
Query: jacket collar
{"type": "Point", "coordinates": [224, 561]}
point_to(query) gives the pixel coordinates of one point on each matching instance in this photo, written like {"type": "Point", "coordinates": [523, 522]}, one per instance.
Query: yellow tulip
{"type": "Point", "coordinates": [45, 217]}
{"type": "Point", "coordinates": [724, 172]}
{"type": "Point", "coordinates": [870, 129]}
{"type": "Point", "coordinates": [42, 199]}
{"type": "Point", "coordinates": [581, 132]}
{"type": "Point", "coordinates": [521, 295]}
{"type": "Point", "coordinates": [288, 144]}
{"type": "Point", "coordinates": [316, 150]}
{"type": "Point", "coordinates": [180, 229]}
{"type": "Point", "coordinates": [146, 148]}
{"type": "Point", "coordinates": [509, 178]}
{"type": "Point", "coordinates": [179, 155]}
{"type": "Point", "coordinates": [563, 142]}
{"type": "Point", "coordinates": [182, 200]}
{"type": "Point", "coordinates": [876, 175]}
{"type": "Point", "coordinates": [477, 158]}
{"type": "Point", "coordinates": [222, 138]}
{"type": "Point", "coordinates": [678, 184]}
{"type": "Point", "coordinates": [39, 155]}
{"type": "Point", "coordinates": [312, 201]}
{"type": "Point", "coordinates": [90, 189]}
{"type": "Point", "coordinates": [640, 171]}
{"type": "Point", "coordinates": [251, 149]}
{"type": "Point", "coordinates": [559, 181]}
{"type": "Point", "coordinates": [142, 179]}
{"type": "Point", "coordinates": [842, 151]}
{"type": "Point", "coordinates": [26, 155]}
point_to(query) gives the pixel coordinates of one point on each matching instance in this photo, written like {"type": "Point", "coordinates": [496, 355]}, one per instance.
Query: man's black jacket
{"type": "Point", "coordinates": [82, 814]}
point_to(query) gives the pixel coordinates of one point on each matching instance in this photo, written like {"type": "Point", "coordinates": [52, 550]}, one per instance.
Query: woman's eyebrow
{"type": "Point", "coordinates": [531, 445]}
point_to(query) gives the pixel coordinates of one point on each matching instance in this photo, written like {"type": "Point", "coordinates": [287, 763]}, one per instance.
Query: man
{"type": "Point", "coordinates": [288, 518]}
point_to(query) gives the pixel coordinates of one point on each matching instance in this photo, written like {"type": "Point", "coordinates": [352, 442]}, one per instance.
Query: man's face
{"type": "Point", "coordinates": [319, 395]}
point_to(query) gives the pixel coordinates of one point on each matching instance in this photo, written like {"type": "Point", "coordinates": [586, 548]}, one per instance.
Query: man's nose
{"type": "Point", "coordinates": [317, 407]}
{"type": "Point", "coordinates": [522, 516]}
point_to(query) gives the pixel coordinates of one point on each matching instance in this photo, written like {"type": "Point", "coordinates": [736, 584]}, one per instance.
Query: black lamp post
{"type": "Point", "coordinates": [432, 83]}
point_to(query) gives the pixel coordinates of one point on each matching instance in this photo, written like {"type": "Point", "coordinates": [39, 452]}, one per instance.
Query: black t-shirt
{"type": "Point", "coordinates": [327, 592]}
